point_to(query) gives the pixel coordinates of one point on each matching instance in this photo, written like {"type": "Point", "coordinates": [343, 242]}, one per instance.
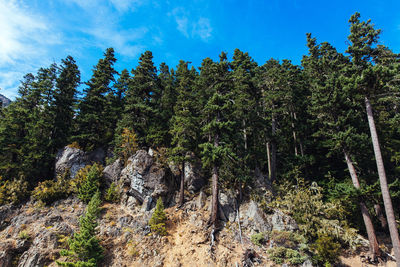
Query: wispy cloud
{"type": "Point", "coordinates": [24, 37]}
{"type": "Point", "coordinates": [191, 26]}
{"type": "Point", "coordinates": [203, 29]}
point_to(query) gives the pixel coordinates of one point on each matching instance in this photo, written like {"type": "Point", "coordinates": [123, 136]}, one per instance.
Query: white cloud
{"type": "Point", "coordinates": [126, 5]}
{"type": "Point", "coordinates": [189, 26]}
{"type": "Point", "coordinates": [22, 34]}
{"type": "Point", "coordinates": [124, 41]}
{"type": "Point", "coordinates": [25, 37]}
{"type": "Point", "coordinates": [202, 29]}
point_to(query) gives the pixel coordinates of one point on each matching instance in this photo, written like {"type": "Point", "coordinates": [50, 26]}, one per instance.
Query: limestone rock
{"type": "Point", "coordinates": [112, 172]}
{"type": "Point", "coordinates": [75, 159]}
{"type": "Point", "coordinates": [147, 178]}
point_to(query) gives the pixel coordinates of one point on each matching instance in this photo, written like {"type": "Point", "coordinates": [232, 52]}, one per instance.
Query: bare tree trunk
{"type": "Point", "coordinates": [373, 243]}
{"type": "Point", "coordinates": [244, 134]}
{"type": "Point", "coordinates": [214, 201]}
{"type": "Point", "coordinates": [269, 160]}
{"type": "Point", "coordinates": [381, 216]}
{"type": "Point", "coordinates": [387, 201]}
{"type": "Point", "coordinates": [182, 187]}
{"type": "Point", "coordinates": [294, 134]}
{"type": "Point", "coordinates": [273, 150]}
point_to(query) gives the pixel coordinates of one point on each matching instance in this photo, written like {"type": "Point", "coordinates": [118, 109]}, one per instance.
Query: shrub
{"type": "Point", "coordinates": [23, 235]}
{"type": "Point", "coordinates": [158, 219]}
{"type": "Point", "coordinates": [258, 239]}
{"type": "Point", "coordinates": [286, 255]}
{"type": "Point", "coordinates": [287, 239]}
{"type": "Point", "coordinates": [327, 250]}
{"type": "Point", "coordinates": [84, 247]}
{"type": "Point", "coordinates": [49, 191]}
{"type": "Point", "coordinates": [126, 144]}
{"type": "Point", "coordinates": [304, 202]}
{"type": "Point", "coordinates": [91, 183]}
{"type": "Point", "coordinates": [74, 145]}
{"type": "Point", "coordinates": [112, 195]}
{"type": "Point", "coordinates": [13, 191]}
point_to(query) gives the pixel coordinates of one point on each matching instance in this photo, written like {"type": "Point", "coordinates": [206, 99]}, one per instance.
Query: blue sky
{"type": "Point", "coordinates": [36, 33]}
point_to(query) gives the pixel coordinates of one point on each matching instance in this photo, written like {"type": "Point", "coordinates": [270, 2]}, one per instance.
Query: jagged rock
{"type": "Point", "coordinates": [194, 179]}
{"type": "Point", "coordinates": [6, 213]}
{"type": "Point", "coordinates": [75, 159]}
{"type": "Point", "coordinates": [147, 178]}
{"type": "Point", "coordinates": [282, 222]}
{"type": "Point", "coordinates": [252, 217]}
{"type": "Point", "coordinates": [112, 172]}
{"type": "Point", "coordinates": [70, 158]}
{"type": "Point", "coordinates": [307, 263]}
{"type": "Point", "coordinates": [228, 206]}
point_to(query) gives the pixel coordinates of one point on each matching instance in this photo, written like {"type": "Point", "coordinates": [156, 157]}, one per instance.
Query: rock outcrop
{"type": "Point", "coordinates": [74, 159]}
{"type": "Point", "coordinates": [147, 180]}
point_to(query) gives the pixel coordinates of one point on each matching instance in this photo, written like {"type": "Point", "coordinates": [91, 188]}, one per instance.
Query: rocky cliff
{"type": "Point", "coordinates": [33, 234]}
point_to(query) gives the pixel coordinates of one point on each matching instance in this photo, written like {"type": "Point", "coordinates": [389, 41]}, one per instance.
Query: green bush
{"type": "Point", "coordinates": [49, 191]}
{"type": "Point", "coordinates": [158, 219]}
{"type": "Point", "coordinates": [327, 250]}
{"type": "Point", "coordinates": [287, 239]}
{"type": "Point", "coordinates": [286, 255]}
{"type": "Point", "coordinates": [305, 203]}
{"type": "Point", "coordinates": [113, 194]}
{"type": "Point", "coordinates": [13, 191]}
{"type": "Point", "coordinates": [84, 247]}
{"type": "Point", "coordinates": [91, 183]}
{"type": "Point", "coordinates": [258, 239]}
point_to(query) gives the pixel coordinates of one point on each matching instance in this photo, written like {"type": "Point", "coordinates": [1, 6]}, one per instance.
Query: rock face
{"type": "Point", "coordinates": [34, 236]}
{"type": "Point", "coordinates": [194, 179]}
{"type": "Point", "coordinates": [112, 172]}
{"type": "Point", "coordinates": [147, 180]}
{"type": "Point", "coordinates": [75, 159]}
{"type": "Point", "coordinates": [253, 217]}
{"type": "Point", "coordinates": [4, 100]}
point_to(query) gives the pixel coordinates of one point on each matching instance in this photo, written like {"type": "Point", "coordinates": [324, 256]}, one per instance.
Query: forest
{"type": "Point", "coordinates": [333, 121]}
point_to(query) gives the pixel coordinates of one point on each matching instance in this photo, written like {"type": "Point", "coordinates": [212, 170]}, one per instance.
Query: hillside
{"type": "Point", "coordinates": [33, 234]}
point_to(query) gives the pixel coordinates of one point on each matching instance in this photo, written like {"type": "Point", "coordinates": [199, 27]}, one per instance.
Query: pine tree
{"type": "Point", "coordinates": [92, 123]}
{"type": "Point", "coordinates": [245, 112]}
{"type": "Point", "coordinates": [64, 102]}
{"type": "Point", "coordinates": [184, 126]}
{"type": "Point", "coordinates": [91, 184]}
{"type": "Point", "coordinates": [84, 247]}
{"type": "Point", "coordinates": [158, 219]}
{"type": "Point", "coordinates": [218, 125]}
{"type": "Point", "coordinates": [370, 80]}
{"type": "Point", "coordinates": [331, 105]}
{"type": "Point", "coordinates": [142, 103]}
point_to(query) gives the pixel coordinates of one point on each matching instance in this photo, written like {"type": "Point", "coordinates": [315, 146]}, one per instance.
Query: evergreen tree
{"type": "Point", "coordinates": [332, 105]}
{"type": "Point", "coordinates": [93, 126]}
{"type": "Point", "coordinates": [184, 127]}
{"type": "Point", "coordinates": [91, 184]}
{"type": "Point", "coordinates": [142, 103]}
{"type": "Point", "coordinates": [84, 247]}
{"type": "Point", "coordinates": [369, 80]}
{"type": "Point", "coordinates": [245, 112]}
{"type": "Point", "coordinates": [64, 102]}
{"type": "Point", "coordinates": [218, 125]}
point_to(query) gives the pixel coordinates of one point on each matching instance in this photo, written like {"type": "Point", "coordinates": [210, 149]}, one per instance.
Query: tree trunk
{"type": "Point", "coordinates": [269, 160]}
{"type": "Point", "coordinates": [381, 216]}
{"type": "Point", "coordinates": [244, 134]}
{"type": "Point", "coordinates": [214, 203]}
{"type": "Point", "coordinates": [387, 201]}
{"type": "Point", "coordinates": [273, 150]}
{"type": "Point", "coordinates": [373, 243]}
{"type": "Point", "coordinates": [294, 133]}
{"type": "Point", "coordinates": [182, 187]}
